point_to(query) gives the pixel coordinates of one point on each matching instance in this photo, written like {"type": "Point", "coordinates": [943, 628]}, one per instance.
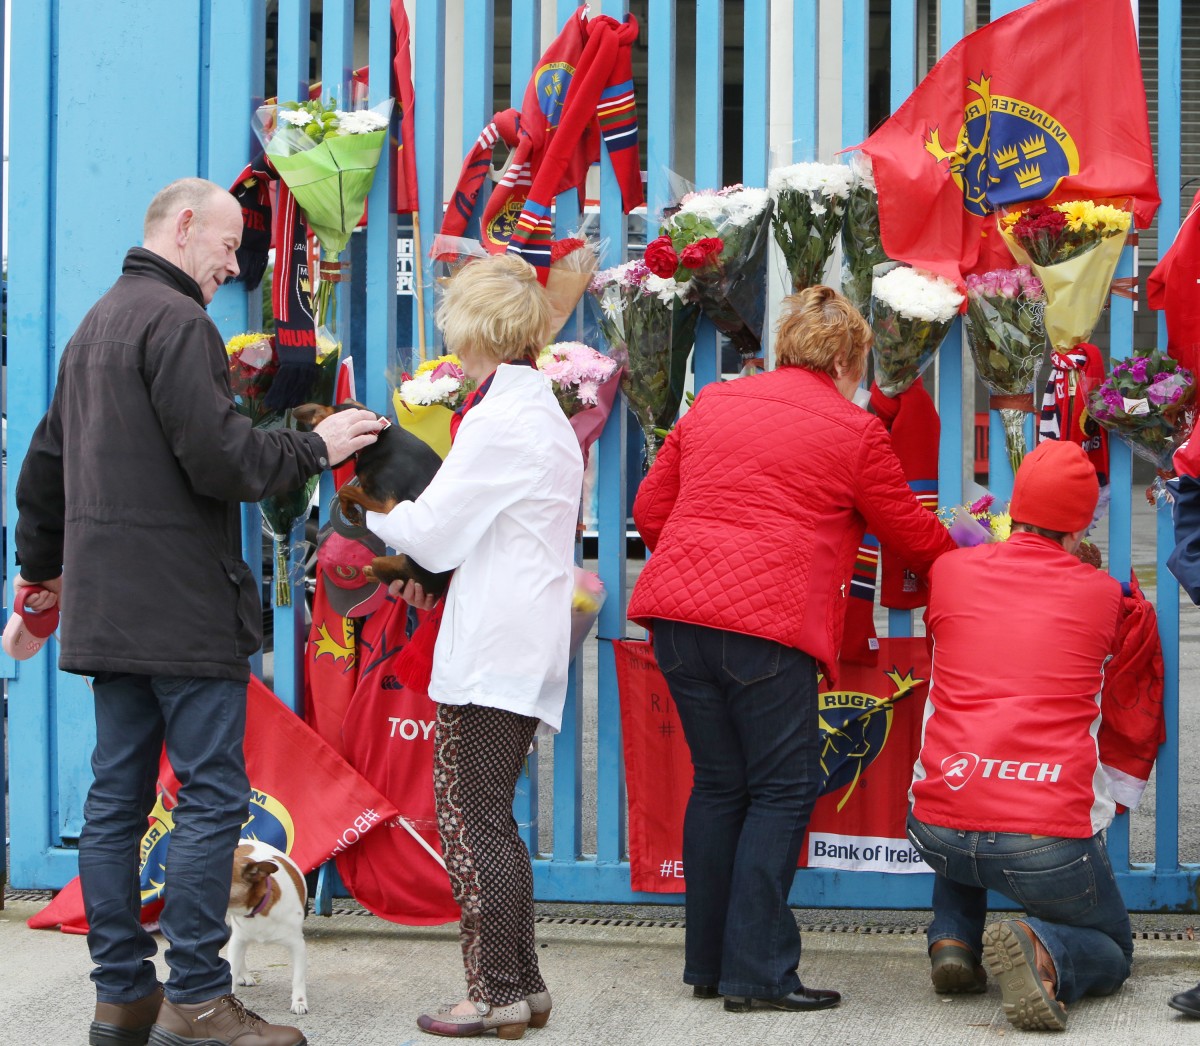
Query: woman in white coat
{"type": "Point", "coordinates": [501, 513]}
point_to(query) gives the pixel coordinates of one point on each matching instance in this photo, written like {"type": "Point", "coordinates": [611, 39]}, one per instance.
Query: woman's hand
{"type": "Point", "coordinates": [414, 594]}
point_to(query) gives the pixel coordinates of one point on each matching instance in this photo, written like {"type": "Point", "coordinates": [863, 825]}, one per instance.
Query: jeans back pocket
{"type": "Point", "coordinates": [1062, 894]}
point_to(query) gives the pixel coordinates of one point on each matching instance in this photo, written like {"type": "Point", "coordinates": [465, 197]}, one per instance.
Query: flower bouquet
{"type": "Point", "coordinates": [911, 314]}
{"type": "Point", "coordinates": [719, 239]}
{"type": "Point", "coordinates": [976, 524]}
{"type": "Point", "coordinates": [862, 247]}
{"type": "Point", "coordinates": [1073, 248]}
{"type": "Point", "coordinates": [586, 601]}
{"type": "Point", "coordinates": [281, 512]}
{"type": "Point", "coordinates": [585, 382]}
{"type": "Point", "coordinates": [328, 158]}
{"type": "Point", "coordinates": [649, 325]}
{"type": "Point", "coordinates": [810, 202]}
{"type": "Point", "coordinates": [425, 403]}
{"type": "Point", "coordinates": [1146, 401]}
{"type": "Point", "coordinates": [1004, 329]}
{"type": "Point", "coordinates": [573, 263]}
{"type": "Point", "coordinates": [252, 367]}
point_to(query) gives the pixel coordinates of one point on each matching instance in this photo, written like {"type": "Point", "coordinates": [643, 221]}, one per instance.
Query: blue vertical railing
{"type": "Point", "coordinates": [49, 735]}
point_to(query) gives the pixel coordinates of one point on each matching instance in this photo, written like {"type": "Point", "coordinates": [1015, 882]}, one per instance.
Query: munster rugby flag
{"type": "Point", "coordinates": [1045, 102]}
{"type": "Point", "coordinates": [870, 736]}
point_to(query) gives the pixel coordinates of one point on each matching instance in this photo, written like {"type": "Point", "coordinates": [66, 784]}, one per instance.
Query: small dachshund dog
{"type": "Point", "coordinates": [396, 467]}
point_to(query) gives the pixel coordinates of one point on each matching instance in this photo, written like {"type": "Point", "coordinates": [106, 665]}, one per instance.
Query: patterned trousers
{"type": "Point", "coordinates": [478, 756]}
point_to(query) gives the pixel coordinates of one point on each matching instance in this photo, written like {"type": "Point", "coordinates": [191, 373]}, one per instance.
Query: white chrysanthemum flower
{"type": "Point", "coordinates": [831, 179]}
{"type": "Point", "coordinates": [295, 117]}
{"type": "Point", "coordinates": [864, 173]}
{"type": "Point", "coordinates": [918, 295]}
{"type": "Point", "coordinates": [422, 390]}
{"type": "Point", "coordinates": [360, 121]}
{"type": "Point", "coordinates": [666, 288]}
{"type": "Point", "coordinates": [703, 205]}
{"type": "Point", "coordinates": [745, 205]}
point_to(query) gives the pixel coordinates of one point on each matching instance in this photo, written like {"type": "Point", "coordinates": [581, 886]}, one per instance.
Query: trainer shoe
{"type": "Point", "coordinates": [125, 1023]}
{"type": "Point", "coordinates": [218, 1022]}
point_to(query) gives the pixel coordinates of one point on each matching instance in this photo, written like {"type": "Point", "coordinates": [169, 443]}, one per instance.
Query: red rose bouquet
{"type": "Point", "coordinates": [720, 239]}
{"type": "Point", "coordinates": [252, 367]}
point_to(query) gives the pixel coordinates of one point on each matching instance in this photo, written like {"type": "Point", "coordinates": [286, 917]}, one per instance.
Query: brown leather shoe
{"type": "Point", "coordinates": [954, 970]}
{"type": "Point", "coordinates": [1025, 972]}
{"type": "Point", "coordinates": [216, 1023]}
{"type": "Point", "coordinates": [125, 1023]}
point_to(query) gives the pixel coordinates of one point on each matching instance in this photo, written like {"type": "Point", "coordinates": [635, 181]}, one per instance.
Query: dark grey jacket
{"type": "Point", "coordinates": [131, 485]}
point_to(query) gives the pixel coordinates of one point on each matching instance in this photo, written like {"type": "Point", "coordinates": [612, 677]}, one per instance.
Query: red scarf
{"type": "Point", "coordinates": [1073, 375]}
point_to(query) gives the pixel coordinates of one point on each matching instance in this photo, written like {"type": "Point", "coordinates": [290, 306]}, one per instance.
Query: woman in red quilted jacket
{"type": "Point", "coordinates": [754, 510]}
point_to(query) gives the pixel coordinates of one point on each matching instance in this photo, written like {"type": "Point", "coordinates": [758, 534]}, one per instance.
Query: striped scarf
{"type": "Point", "coordinates": [1073, 375]}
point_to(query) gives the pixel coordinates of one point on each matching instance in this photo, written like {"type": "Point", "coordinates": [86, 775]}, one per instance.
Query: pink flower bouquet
{"type": "Point", "coordinates": [1146, 401]}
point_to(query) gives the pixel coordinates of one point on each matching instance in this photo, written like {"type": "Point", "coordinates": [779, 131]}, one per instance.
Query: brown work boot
{"type": "Point", "coordinates": [125, 1023]}
{"type": "Point", "coordinates": [217, 1022]}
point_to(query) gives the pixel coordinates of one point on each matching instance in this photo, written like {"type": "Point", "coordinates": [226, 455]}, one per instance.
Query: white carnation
{"type": "Point", "coordinates": [918, 295]}
{"type": "Point", "coordinates": [831, 179]}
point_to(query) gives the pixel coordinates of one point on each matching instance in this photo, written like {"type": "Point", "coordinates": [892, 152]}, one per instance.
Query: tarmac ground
{"type": "Point", "coordinates": [612, 980]}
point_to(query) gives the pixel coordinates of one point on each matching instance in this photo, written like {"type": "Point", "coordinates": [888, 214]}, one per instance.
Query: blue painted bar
{"type": "Point", "coordinates": [476, 91]}
{"type": "Point", "coordinates": [613, 509]}
{"type": "Point", "coordinates": [660, 104]}
{"type": "Point", "coordinates": [566, 206]}
{"type": "Point", "coordinates": [855, 40]}
{"type": "Point", "coordinates": [429, 78]}
{"type": "Point", "coordinates": [379, 349]}
{"type": "Point", "coordinates": [1000, 473]}
{"type": "Point", "coordinates": [806, 36]}
{"type": "Point", "coordinates": [525, 49]}
{"type": "Point", "coordinates": [293, 50]}
{"type": "Point", "coordinates": [337, 59]}
{"type": "Point", "coordinates": [710, 49]}
{"type": "Point", "coordinates": [1166, 776]}
{"type": "Point", "coordinates": [756, 91]}
{"type": "Point", "coordinates": [903, 51]}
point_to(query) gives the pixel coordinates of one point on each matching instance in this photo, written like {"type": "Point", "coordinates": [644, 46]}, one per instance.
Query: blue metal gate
{"type": "Point", "coordinates": [102, 120]}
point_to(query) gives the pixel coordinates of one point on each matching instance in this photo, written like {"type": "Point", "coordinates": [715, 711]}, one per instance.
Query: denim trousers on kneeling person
{"type": "Point", "coordinates": [748, 707]}
{"type": "Point", "coordinates": [203, 722]}
{"type": "Point", "coordinates": [1065, 885]}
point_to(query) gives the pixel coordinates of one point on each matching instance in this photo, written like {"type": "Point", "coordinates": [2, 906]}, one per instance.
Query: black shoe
{"type": "Point", "coordinates": [1187, 1002]}
{"type": "Point", "coordinates": [801, 999]}
{"type": "Point", "coordinates": [704, 991]}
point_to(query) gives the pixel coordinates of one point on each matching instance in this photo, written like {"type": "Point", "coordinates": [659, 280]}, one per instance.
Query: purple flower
{"type": "Point", "coordinates": [1166, 389]}
{"type": "Point", "coordinates": [1137, 369]}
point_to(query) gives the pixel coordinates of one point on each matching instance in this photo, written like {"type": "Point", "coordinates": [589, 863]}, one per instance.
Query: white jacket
{"type": "Point", "coordinates": [501, 512]}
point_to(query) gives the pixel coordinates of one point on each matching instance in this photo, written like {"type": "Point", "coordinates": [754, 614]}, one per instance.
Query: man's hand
{"type": "Point", "coordinates": [40, 600]}
{"type": "Point", "coordinates": [414, 594]}
{"type": "Point", "coordinates": [346, 432]}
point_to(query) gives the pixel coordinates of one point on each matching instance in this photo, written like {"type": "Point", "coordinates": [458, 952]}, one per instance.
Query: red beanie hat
{"type": "Point", "coordinates": [1055, 488]}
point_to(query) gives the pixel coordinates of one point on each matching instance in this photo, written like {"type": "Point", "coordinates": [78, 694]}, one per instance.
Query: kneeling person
{"type": "Point", "coordinates": [1008, 793]}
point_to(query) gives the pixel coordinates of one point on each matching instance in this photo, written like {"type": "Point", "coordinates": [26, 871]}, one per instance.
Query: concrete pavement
{"type": "Point", "coordinates": [613, 981]}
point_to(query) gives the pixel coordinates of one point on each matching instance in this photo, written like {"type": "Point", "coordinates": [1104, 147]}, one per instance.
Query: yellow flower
{"type": "Point", "coordinates": [1011, 218]}
{"type": "Point", "coordinates": [239, 341]}
{"type": "Point", "coordinates": [1081, 214]}
{"type": "Point", "coordinates": [433, 364]}
{"type": "Point", "coordinates": [1113, 219]}
{"type": "Point", "coordinates": [1002, 525]}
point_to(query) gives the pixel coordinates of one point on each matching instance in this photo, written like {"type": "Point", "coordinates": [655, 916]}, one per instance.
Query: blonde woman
{"type": "Point", "coordinates": [754, 510]}
{"type": "Point", "coordinates": [501, 514]}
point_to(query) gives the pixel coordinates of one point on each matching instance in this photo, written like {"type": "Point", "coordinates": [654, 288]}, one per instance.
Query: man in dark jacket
{"type": "Point", "coordinates": [129, 492]}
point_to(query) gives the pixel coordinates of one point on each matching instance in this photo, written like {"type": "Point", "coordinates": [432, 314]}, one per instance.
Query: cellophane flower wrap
{"type": "Point", "coordinates": [1008, 343]}
{"type": "Point", "coordinates": [327, 157]}
{"type": "Point", "coordinates": [252, 367]}
{"type": "Point", "coordinates": [911, 314]}
{"type": "Point", "coordinates": [573, 263]}
{"type": "Point", "coordinates": [425, 402]}
{"type": "Point", "coordinates": [585, 382]}
{"type": "Point", "coordinates": [649, 325]}
{"type": "Point", "coordinates": [810, 203]}
{"type": "Point", "coordinates": [1073, 247]}
{"type": "Point", "coordinates": [1148, 401]}
{"type": "Point", "coordinates": [281, 512]}
{"type": "Point", "coordinates": [719, 239]}
{"type": "Point", "coordinates": [586, 601]}
{"type": "Point", "coordinates": [976, 524]}
{"type": "Point", "coordinates": [862, 246]}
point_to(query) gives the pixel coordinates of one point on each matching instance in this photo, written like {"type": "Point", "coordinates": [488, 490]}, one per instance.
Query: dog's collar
{"type": "Point", "coordinates": [261, 904]}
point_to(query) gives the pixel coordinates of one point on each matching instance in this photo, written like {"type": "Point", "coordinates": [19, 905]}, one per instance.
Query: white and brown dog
{"type": "Point", "coordinates": [267, 904]}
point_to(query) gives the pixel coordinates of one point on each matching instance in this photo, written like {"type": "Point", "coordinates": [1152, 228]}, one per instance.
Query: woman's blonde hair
{"type": "Point", "coordinates": [495, 308]}
{"type": "Point", "coordinates": [820, 329]}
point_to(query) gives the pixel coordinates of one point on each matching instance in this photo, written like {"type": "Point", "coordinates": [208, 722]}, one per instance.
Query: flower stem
{"type": "Point", "coordinates": [283, 587]}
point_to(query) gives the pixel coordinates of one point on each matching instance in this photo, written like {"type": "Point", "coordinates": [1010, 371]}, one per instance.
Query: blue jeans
{"type": "Point", "coordinates": [748, 707]}
{"type": "Point", "coordinates": [203, 722]}
{"type": "Point", "coordinates": [1065, 885]}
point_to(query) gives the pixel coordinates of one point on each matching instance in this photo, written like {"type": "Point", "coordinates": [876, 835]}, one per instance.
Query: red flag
{"type": "Point", "coordinates": [304, 800]}
{"type": "Point", "coordinates": [1044, 103]}
{"type": "Point", "coordinates": [1172, 288]}
{"type": "Point", "coordinates": [406, 173]}
{"type": "Point", "coordinates": [869, 744]}
{"type": "Point", "coordinates": [398, 872]}
{"type": "Point", "coordinates": [330, 670]}
{"type": "Point", "coordinates": [344, 472]}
